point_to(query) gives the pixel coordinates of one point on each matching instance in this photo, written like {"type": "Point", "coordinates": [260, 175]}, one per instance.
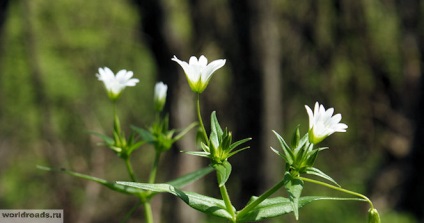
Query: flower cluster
{"type": "Point", "coordinates": [217, 145]}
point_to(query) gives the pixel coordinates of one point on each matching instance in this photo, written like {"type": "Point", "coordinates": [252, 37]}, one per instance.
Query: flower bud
{"type": "Point", "coordinates": [373, 216]}
{"type": "Point", "coordinates": [160, 96]}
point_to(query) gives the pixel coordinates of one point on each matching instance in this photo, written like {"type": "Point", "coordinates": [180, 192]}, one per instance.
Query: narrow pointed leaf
{"type": "Point", "coordinates": [237, 151]}
{"type": "Point", "coordinates": [144, 134]}
{"type": "Point", "coordinates": [273, 207]}
{"type": "Point", "coordinates": [235, 144]}
{"type": "Point", "coordinates": [184, 131]}
{"type": "Point", "coordinates": [311, 157]}
{"type": "Point", "coordinates": [111, 185]}
{"type": "Point", "coordinates": [303, 144]}
{"type": "Point", "coordinates": [135, 146]}
{"type": "Point", "coordinates": [205, 204]}
{"type": "Point", "coordinates": [288, 153]}
{"type": "Point", "coordinates": [108, 140]}
{"type": "Point", "coordinates": [294, 187]}
{"type": "Point", "coordinates": [215, 125]}
{"type": "Point", "coordinates": [198, 153]}
{"type": "Point", "coordinates": [280, 154]}
{"type": "Point", "coordinates": [319, 173]}
{"type": "Point", "coordinates": [295, 138]}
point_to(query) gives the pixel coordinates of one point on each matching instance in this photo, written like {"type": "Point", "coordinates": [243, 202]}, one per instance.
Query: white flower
{"type": "Point", "coordinates": [160, 95]}
{"type": "Point", "coordinates": [199, 72]}
{"type": "Point", "coordinates": [115, 84]}
{"type": "Point", "coordinates": [322, 123]}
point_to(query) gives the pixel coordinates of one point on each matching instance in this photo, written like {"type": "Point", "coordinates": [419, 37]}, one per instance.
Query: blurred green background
{"type": "Point", "coordinates": [362, 57]}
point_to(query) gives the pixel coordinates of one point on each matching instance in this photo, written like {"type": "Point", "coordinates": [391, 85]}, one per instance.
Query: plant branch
{"type": "Point", "coordinates": [130, 169]}
{"type": "Point", "coordinates": [338, 189]}
{"type": "Point", "coordinates": [148, 214]}
{"type": "Point", "coordinates": [259, 200]}
{"type": "Point", "coordinates": [227, 201]}
{"type": "Point", "coordinates": [153, 172]}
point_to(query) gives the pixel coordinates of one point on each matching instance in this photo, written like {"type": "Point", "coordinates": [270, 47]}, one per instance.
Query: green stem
{"type": "Point", "coordinates": [130, 169]}
{"type": "Point", "coordinates": [148, 213]}
{"type": "Point", "coordinates": [338, 189]}
{"type": "Point", "coordinates": [199, 116]}
{"type": "Point", "coordinates": [153, 172]}
{"type": "Point", "coordinates": [259, 200]}
{"type": "Point", "coordinates": [227, 201]}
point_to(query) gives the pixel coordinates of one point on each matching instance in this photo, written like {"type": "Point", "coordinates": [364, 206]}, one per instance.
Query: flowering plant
{"type": "Point", "coordinates": [217, 145]}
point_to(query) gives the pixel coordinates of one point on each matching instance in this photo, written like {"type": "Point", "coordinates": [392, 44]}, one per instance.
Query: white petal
{"type": "Point", "coordinates": [121, 75]}
{"type": "Point", "coordinates": [310, 115]}
{"type": "Point", "coordinates": [211, 68]}
{"type": "Point", "coordinates": [188, 70]}
{"type": "Point", "coordinates": [132, 82]}
{"type": "Point", "coordinates": [203, 61]}
{"type": "Point", "coordinates": [193, 60]}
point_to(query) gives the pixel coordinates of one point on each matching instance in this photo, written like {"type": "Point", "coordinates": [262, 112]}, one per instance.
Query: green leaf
{"type": "Point", "coordinates": [184, 131]}
{"type": "Point", "coordinates": [296, 138]}
{"type": "Point", "coordinates": [144, 134]}
{"type": "Point", "coordinates": [273, 207]}
{"type": "Point", "coordinates": [294, 187]}
{"type": "Point", "coordinates": [108, 140]}
{"type": "Point", "coordinates": [111, 185]}
{"type": "Point", "coordinates": [311, 157]}
{"type": "Point", "coordinates": [198, 153]}
{"type": "Point", "coordinates": [239, 142]}
{"type": "Point", "coordinates": [288, 155]}
{"type": "Point", "coordinates": [223, 171]}
{"type": "Point", "coordinates": [135, 146]}
{"type": "Point", "coordinates": [215, 127]}
{"type": "Point", "coordinates": [205, 204]}
{"type": "Point", "coordinates": [319, 173]}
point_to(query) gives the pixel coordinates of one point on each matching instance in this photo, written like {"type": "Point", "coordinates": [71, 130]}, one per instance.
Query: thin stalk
{"type": "Point", "coordinates": [148, 213]}
{"type": "Point", "coordinates": [155, 165]}
{"type": "Point", "coordinates": [199, 116]}
{"type": "Point", "coordinates": [261, 198]}
{"type": "Point", "coordinates": [128, 215]}
{"type": "Point", "coordinates": [130, 169]}
{"type": "Point", "coordinates": [338, 189]}
{"type": "Point", "coordinates": [227, 201]}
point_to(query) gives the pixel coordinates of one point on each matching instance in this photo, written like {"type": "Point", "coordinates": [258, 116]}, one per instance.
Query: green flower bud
{"type": "Point", "coordinates": [373, 216]}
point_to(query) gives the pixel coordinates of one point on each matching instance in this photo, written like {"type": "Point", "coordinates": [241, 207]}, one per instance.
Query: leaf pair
{"type": "Point", "coordinates": [178, 182]}
{"type": "Point", "coordinates": [269, 208]}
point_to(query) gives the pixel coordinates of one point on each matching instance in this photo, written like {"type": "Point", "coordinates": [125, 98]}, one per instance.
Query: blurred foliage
{"type": "Point", "coordinates": [349, 55]}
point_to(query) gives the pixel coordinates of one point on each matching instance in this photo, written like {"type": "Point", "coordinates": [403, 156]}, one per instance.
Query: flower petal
{"type": "Point", "coordinates": [211, 68]}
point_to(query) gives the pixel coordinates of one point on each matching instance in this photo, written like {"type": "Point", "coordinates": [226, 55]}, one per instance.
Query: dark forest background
{"type": "Point", "coordinates": [362, 57]}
